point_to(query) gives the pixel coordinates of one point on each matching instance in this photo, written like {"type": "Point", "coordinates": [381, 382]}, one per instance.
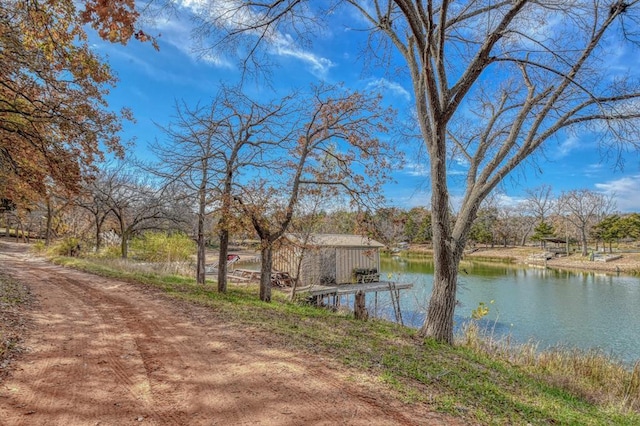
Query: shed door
{"type": "Point", "coordinates": [328, 266]}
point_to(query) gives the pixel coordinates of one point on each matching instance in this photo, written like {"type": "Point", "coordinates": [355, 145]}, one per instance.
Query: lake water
{"type": "Point", "coordinates": [554, 308]}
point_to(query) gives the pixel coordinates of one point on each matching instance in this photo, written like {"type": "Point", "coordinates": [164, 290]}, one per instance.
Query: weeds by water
{"type": "Point", "coordinates": [592, 374]}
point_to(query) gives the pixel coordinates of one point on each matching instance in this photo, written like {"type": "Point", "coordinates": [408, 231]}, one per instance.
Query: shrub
{"type": "Point", "coordinates": [39, 247]}
{"type": "Point", "coordinates": [162, 247]}
{"type": "Point", "coordinates": [67, 247]}
{"type": "Point", "coordinates": [110, 252]}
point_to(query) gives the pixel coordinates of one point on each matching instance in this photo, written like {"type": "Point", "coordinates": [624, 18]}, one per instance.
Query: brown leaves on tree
{"type": "Point", "coordinates": [53, 113]}
{"type": "Point", "coordinates": [115, 20]}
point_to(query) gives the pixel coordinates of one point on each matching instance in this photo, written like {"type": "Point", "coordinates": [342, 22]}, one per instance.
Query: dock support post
{"type": "Point", "coordinates": [360, 307]}
{"type": "Point", "coordinates": [395, 300]}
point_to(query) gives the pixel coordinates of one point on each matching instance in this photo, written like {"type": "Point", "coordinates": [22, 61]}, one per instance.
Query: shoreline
{"type": "Point", "coordinates": [628, 264]}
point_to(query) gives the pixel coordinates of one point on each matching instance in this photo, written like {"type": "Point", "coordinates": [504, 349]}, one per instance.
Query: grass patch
{"type": "Point", "coordinates": [482, 382]}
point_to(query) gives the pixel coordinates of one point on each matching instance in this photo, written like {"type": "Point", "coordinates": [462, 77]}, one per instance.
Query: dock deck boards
{"type": "Point", "coordinates": [345, 289]}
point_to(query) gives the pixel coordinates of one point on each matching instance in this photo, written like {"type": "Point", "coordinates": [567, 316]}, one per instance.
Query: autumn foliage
{"type": "Point", "coordinates": [54, 119]}
{"type": "Point", "coordinates": [114, 20]}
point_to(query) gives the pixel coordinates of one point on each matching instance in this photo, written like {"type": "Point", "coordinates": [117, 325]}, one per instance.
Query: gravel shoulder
{"type": "Point", "coordinates": [99, 351]}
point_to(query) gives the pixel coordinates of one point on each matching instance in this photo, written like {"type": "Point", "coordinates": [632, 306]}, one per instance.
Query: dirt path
{"type": "Point", "coordinates": [105, 352]}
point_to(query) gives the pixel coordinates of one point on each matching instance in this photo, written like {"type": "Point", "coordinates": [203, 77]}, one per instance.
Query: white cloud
{"type": "Point", "coordinates": [237, 17]}
{"type": "Point", "coordinates": [593, 170]}
{"type": "Point", "coordinates": [567, 146]}
{"type": "Point", "coordinates": [505, 200]}
{"type": "Point", "coordinates": [626, 192]}
{"type": "Point", "coordinates": [416, 169]}
{"type": "Point", "coordinates": [178, 33]}
{"type": "Point", "coordinates": [284, 45]}
{"type": "Point", "coordinates": [382, 84]}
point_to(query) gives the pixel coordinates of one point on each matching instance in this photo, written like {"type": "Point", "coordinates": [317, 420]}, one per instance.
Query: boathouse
{"type": "Point", "coordinates": [328, 259]}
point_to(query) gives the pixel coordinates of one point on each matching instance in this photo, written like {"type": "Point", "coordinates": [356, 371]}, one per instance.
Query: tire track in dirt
{"type": "Point", "coordinates": [115, 350]}
{"type": "Point", "coordinates": [68, 369]}
{"type": "Point", "coordinates": [105, 352]}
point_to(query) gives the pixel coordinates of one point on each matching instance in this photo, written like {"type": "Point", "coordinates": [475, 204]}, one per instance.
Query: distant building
{"type": "Point", "coordinates": [328, 259]}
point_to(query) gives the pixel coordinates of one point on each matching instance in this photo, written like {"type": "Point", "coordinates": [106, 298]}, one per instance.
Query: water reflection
{"type": "Point", "coordinates": [553, 307]}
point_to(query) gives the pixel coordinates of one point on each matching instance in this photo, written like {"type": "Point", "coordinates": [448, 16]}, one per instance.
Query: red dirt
{"type": "Point", "coordinates": [106, 352]}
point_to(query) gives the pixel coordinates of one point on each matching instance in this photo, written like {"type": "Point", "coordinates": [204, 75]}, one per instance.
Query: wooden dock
{"type": "Point", "coordinates": [319, 293]}
{"type": "Point", "coordinates": [278, 279]}
{"type": "Point", "coordinates": [346, 289]}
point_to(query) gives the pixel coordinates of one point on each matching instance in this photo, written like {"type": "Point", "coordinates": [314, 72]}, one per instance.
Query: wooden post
{"type": "Point", "coordinates": [360, 307]}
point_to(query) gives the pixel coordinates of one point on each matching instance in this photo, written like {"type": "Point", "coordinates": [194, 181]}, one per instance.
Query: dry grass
{"type": "Point", "coordinates": [591, 374]}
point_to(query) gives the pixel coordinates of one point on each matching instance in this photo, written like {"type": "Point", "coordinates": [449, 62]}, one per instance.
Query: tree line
{"type": "Point", "coordinates": [584, 218]}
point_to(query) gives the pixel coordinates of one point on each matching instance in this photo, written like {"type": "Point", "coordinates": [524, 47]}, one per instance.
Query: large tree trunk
{"type": "Point", "coordinates": [201, 257]}
{"type": "Point", "coordinates": [224, 227]}
{"type": "Point", "coordinates": [360, 307]}
{"type": "Point", "coordinates": [124, 246]}
{"type": "Point", "coordinates": [21, 233]}
{"type": "Point", "coordinates": [443, 302]}
{"type": "Point", "coordinates": [439, 321]}
{"type": "Point", "coordinates": [202, 204]}
{"type": "Point", "coordinates": [266, 255]}
{"type": "Point", "coordinates": [124, 242]}
{"type": "Point", "coordinates": [222, 261]}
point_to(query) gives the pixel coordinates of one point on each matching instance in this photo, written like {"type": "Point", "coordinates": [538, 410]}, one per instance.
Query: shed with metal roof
{"type": "Point", "coordinates": [328, 259]}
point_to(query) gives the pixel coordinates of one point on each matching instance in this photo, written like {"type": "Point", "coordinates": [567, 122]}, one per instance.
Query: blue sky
{"type": "Point", "coordinates": [152, 81]}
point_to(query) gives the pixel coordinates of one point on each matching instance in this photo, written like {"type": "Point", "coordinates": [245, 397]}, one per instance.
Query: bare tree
{"type": "Point", "coordinates": [209, 146]}
{"type": "Point", "coordinates": [139, 204]}
{"type": "Point", "coordinates": [522, 85]}
{"type": "Point", "coordinates": [538, 204]}
{"type": "Point", "coordinates": [187, 158]}
{"type": "Point", "coordinates": [387, 225]}
{"type": "Point", "coordinates": [249, 131]}
{"type": "Point", "coordinates": [94, 198]}
{"type": "Point", "coordinates": [508, 225]}
{"type": "Point", "coordinates": [337, 138]}
{"type": "Point", "coordinates": [584, 209]}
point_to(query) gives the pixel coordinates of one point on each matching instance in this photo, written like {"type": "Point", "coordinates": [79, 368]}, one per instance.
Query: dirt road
{"type": "Point", "coordinates": [105, 352]}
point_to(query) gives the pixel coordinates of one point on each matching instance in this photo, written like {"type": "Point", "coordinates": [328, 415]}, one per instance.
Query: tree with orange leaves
{"type": "Point", "coordinates": [53, 112]}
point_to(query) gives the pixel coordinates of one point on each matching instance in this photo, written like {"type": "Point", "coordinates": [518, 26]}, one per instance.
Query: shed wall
{"type": "Point", "coordinates": [350, 258]}
{"type": "Point", "coordinates": [325, 264]}
{"type": "Point", "coordinates": [285, 259]}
